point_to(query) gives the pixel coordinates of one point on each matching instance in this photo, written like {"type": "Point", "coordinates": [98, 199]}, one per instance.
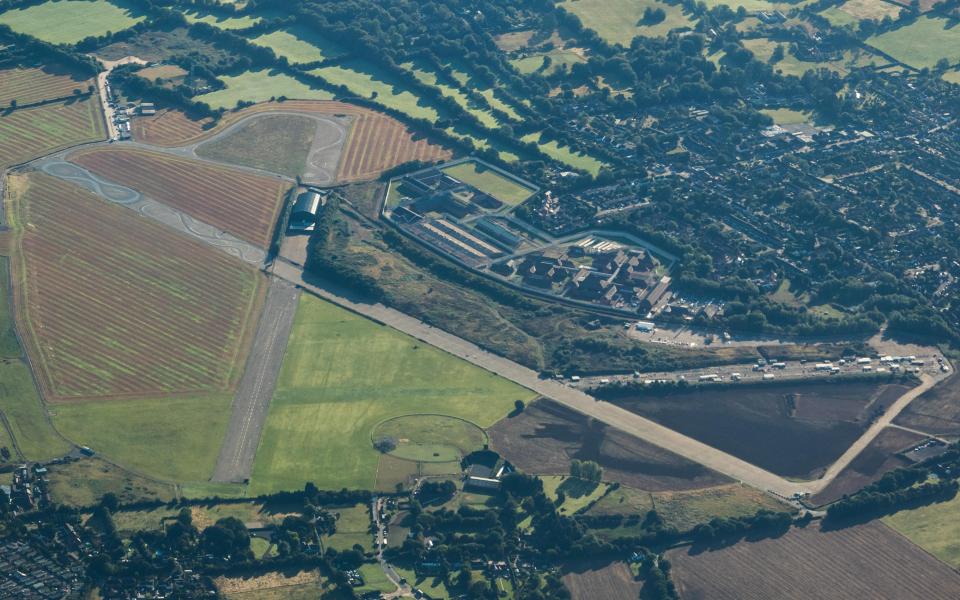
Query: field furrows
{"type": "Point", "coordinates": [236, 202]}
{"type": "Point", "coordinates": [31, 85]}
{"type": "Point", "coordinates": [119, 306]}
{"type": "Point", "coordinates": [379, 142]}
{"type": "Point", "coordinates": [29, 133]}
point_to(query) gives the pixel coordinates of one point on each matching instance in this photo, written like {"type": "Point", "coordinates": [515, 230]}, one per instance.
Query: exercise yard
{"type": "Point", "coordinates": [344, 375]}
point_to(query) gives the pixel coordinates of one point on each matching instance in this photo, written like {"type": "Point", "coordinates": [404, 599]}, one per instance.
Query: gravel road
{"type": "Point", "coordinates": [252, 401]}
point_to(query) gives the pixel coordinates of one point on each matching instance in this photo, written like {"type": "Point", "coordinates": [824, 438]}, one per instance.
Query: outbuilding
{"type": "Point", "coordinates": [303, 217]}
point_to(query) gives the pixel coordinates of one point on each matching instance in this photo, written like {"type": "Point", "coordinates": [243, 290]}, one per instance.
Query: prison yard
{"type": "Point", "coordinates": [479, 300]}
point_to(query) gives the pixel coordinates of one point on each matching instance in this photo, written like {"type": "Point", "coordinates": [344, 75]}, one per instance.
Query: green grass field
{"type": "Point", "coordinates": [341, 376]}
{"type": "Point", "coordinates": [84, 482]}
{"type": "Point", "coordinates": [431, 438]}
{"type": "Point", "coordinates": [762, 49]}
{"type": "Point", "coordinates": [429, 77]}
{"type": "Point", "coordinates": [852, 12]}
{"type": "Point", "coordinates": [69, 21]}
{"type": "Point", "coordinates": [786, 116]}
{"type": "Point", "coordinates": [9, 346]}
{"type": "Point", "coordinates": [353, 527]}
{"type": "Point", "coordinates": [299, 46]}
{"type": "Point", "coordinates": [619, 21]}
{"type": "Point", "coordinates": [566, 155]}
{"type": "Point", "coordinates": [275, 143]}
{"type": "Point", "coordinates": [577, 492]}
{"type": "Point", "coordinates": [175, 439]}
{"type": "Point", "coordinates": [558, 58]}
{"type": "Point", "coordinates": [374, 579]}
{"type": "Point", "coordinates": [935, 528]}
{"type": "Point", "coordinates": [21, 405]}
{"type": "Point", "coordinates": [259, 86]}
{"type": "Point", "coordinates": [490, 182]}
{"type": "Point", "coordinates": [366, 80]}
{"type": "Point", "coordinates": [243, 22]}
{"type": "Point", "coordinates": [922, 43]}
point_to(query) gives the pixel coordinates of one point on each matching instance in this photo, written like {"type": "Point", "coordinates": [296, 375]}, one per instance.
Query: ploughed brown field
{"type": "Point", "coordinates": [546, 436]}
{"type": "Point", "coordinates": [936, 411]}
{"type": "Point", "coordinates": [112, 304]}
{"type": "Point", "coordinates": [376, 142]}
{"type": "Point", "coordinates": [589, 580]}
{"type": "Point", "coordinates": [240, 203]}
{"type": "Point", "coordinates": [28, 85]}
{"type": "Point", "coordinates": [791, 429]}
{"type": "Point", "coordinates": [870, 465]}
{"type": "Point", "coordinates": [856, 563]}
{"type": "Point", "coordinates": [29, 133]}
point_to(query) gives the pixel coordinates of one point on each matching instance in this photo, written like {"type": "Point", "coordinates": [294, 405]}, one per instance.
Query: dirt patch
{"type": "Point", "coordinates": [547, 436]}
{"type": "Point", "coordinates": [794, 430]}
{"type": "Point", "coordinates": [587, 580]}
{"type": "Point", "coordinates": [876, 459]}
{"type": "Point", "coordinates": [870, 561]}
{"type": "Point", "coordinates": [236, 585]}
{"type": "Point", "coordinates": [936, 411]}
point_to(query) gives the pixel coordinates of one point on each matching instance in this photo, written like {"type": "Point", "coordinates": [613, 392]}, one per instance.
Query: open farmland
{"type": "Point", "coordinates": [29, 133]}
{"type": "Point", "coordinates": [791, 429]}
{"type": "Point", "coordinates": [223, 22]}
{"type": "Point", "coordinates": [366, 80]}
{"type": "Point", "coordinates": [546, 436]}
{"type": "Point", "coordinates": [342, 376]}
{"type": "Point", "coordinates": [234, 201]}
{"type": "Point", "coordinates": [619, 21]}
{"type": "Point", "coordinates": [852, 12]}
{"type": "Point", "coordinates": [565, 154]}
{"type": "Point", "coordinates": [869, 561]}
{"type": "Point", "coordinates": [870, 465]}
{"type": "Point", "coordinates": [378, 142]}
{"type": "Point", "coordinates": [260, 86]}
{"type": "Point", "coordinates": [112, 304]}
{"type": "Point", "coordinates": [587, 580]}
{"type": "Point", "coordinates": [299, 45]}
{"type": "Point", "coordinates": [28, 85]}
{"type": "Point", "coordinates": [936, 411]}
{"type": "Point", "coordinates": [921, 43]}
{"type": "Point", "coordinates": [934, 527]}
{"type": "Point", "coordinates": [69, 21]}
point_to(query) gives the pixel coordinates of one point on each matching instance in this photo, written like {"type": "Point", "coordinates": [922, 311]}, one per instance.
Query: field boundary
{"type": "Point", "coordinates": [483, 431]}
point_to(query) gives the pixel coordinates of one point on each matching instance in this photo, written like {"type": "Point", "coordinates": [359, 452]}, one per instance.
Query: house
{"type": "Point", "coordinates": [303, 217]}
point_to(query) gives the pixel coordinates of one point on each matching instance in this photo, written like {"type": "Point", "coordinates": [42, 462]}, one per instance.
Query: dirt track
{"type": "Point", "coordinates": [577, 400]}
{"type": "Point", "coordinates": [252, 401]}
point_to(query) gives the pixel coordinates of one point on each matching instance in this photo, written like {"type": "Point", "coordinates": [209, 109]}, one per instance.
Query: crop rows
{"type": "Point", "coordinates": [234, 201]}
{"type": "Point", "coordinates": [379, 142]}
{"type": "Point", "coordinates": [30, 133]}
{"type": "Point", "coordinates": [31, 85]}
{"type": "Point", "coordinates": [117, 305]}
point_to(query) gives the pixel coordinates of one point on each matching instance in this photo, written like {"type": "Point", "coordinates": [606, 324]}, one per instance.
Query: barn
{"type": "Point", "coordinates": [303, 217]}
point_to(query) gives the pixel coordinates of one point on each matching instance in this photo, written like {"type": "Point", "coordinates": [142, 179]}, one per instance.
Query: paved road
{"type": "Point", "coordinates": [252, 401]}
{"type": "Point", "coordinates": [608, 413]}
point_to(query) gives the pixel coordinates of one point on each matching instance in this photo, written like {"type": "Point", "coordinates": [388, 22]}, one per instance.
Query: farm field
{"type": "Point", "coordinates": [299, 46]}
{"type": "Point", "coordinates": [259, 86]}
{"type": "Point", "coordinates": [936, 411]}
{"type": "Point", "coordinates": [242, 204]}
{"type": "Point", "coordinates": [852, 12]}
{"type": "Point", "coordinates": [430, 438]}
{"type": "Point", "coordinates": [112, 304]}
{"type": "Point", "coordinates": [565, 154]}
{"type": "Point", "coordinates": [794, 430]}
{"type": "Point", "coordinates": [546, 435]}
{"type": "Point", "coordinates": [870, 465]}
{"type": "Point", "coordinates": [223, 22]}
{"type": "Point", "coordinates": [429, 77]}
{"type": "Point", "coordinates": [619, 21]}
{"type": "Point", "coordinates": [868, 561]}
{"type": "Point", "coordinates": [935, 528]}
{"type": "Point", "coordinates": [69, 21]}
{"type": "Point", "coordinates": [175, 439]}
{"type": "Point", "coordinates": [685, 509]}
{"type": "Point", "coordinates": [578, 493]}
{"type": "Point", "coordinates": [763, 48]}
{"type": "Point", "coordinates": [275, 143]}
{"type": "Point", "coordinates": [558, 58]}
{"type": "Point", "coordinates": [377, 142]}
{"type": "Point", "coordinates": [9, 346]}
{"type": "Point", "coordinates": [366, 80]}
{"type": "Point", "coordinates": [922, 43]}
{"type": "Point", "coordinates": [353, 528]}
{"type": "Point", "coordinates": [490, 182]}
{"type": "Point", "coordinates": [282, 585]}
{"type": "Point", "coordinates": [28, 85]}
{"type": "Point", "coordinates": [22, 407]}
{"type": "Point", "coordinates": [341, 376]}
{"type": "Point", "coordinates": [33, 132]}
{"type": "Point", "coordinates": [587, 580]}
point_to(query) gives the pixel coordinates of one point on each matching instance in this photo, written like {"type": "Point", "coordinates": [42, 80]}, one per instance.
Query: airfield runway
{"type": "Point", "coordinates": [252, 401]}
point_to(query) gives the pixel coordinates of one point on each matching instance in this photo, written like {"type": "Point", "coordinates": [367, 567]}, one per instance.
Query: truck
{"type": "Point", "coordinates": [779, 365]}
{"type": "Point", "coordinates": [710, 377]}
{"type": "Point", "coordinates": [768, 376]}
{"type": "Point", "coordinates": [824, 366]}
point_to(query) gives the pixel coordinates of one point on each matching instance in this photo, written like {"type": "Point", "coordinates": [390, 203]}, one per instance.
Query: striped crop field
{"type": "Point", "coordinates": [234, 201]}
{"type": "Point", "coordinates": [376, 142]}
{"type": "Point", "coordinates": [111, 304]}
{"type": "Point", "coordinates": [29, 85]}
{"type": "Point", "coordinates": [29, 133]}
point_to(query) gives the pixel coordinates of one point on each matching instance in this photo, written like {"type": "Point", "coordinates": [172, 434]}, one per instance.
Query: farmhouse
{"type": "Point", "coordinates": [303, 217]}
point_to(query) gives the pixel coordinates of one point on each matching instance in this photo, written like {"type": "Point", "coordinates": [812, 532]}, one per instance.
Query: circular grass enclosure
{"type": "Point", "coordinates": [430, 438]}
